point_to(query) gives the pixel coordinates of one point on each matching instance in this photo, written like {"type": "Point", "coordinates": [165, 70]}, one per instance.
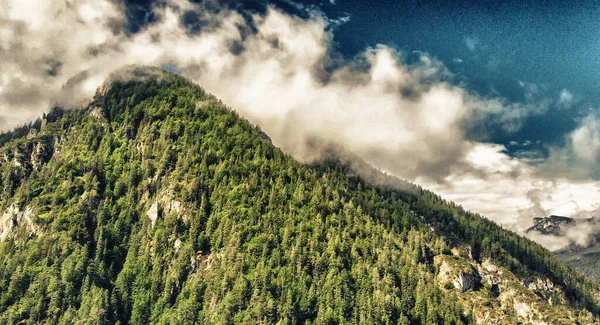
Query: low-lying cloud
{"type": "Point", "coordinates": [282, 73]}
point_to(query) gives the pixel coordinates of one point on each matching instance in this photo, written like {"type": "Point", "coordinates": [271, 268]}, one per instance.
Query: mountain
{"type": "Point", "coordinates": [582, 258]}
{"type": "Point", "coordinates": [552, 225]}
{"type": "Point", "coordinates": [158, 204]}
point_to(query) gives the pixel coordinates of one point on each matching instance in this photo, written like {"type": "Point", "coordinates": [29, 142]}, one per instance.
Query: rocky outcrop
{"type": "Point", "coordinates": [177, 245]}
{"type": "Point", "coordinates": [461, 274]}
{"type": "Point", "coordinates": [547, 290]}
{"type": "Point", "coordinates": [173, 206]}
{"type": "Point", "coordinates": [163, 206]}
{"type": "Point", "coordinates": [96, 112]}
{"type": "Point", "coordinates": [494, 295]}
{"type": "Point", "coordinates": [206, 260]}
{"type": "Point", "coordinates": [152, 213]}
{"type": "Point", "coordinates": [552, 225]}
{"type": "Point", "coordinates": [32, 155]}
{"type": "Point", "coordinates": [467, 282]}
{"type": "Point", "coordinates": [13, 219]}
{"type": "Point", "coordinates": [464, 251]}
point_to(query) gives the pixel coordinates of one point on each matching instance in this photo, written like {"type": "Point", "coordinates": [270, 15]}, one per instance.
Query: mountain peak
{"type": "Point", "coordinates": [135, 73]}
{"type": "Point", "coordinates": [126, 88]}
{"type": "Point", "coordinates": [552, 225]}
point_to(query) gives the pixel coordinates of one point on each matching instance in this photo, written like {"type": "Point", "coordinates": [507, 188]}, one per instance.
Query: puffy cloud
{"type": "Point", "coordinates": [280, 72]}
{"type": "Point", "coordinates": [48, 51]}
{"type": "Point", "coordinates": [511, 192]}
{"type": "Point", "coordinates": [283, 76]}
{"type": "Point", "coordinates": [578, 158]}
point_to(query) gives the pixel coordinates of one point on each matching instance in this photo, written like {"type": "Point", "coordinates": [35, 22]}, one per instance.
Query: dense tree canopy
{"type": "Point", "coordinates": [157, 204]}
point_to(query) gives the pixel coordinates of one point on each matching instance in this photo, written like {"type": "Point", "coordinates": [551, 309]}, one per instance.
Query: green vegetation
{"type": "Point", "coordinates": [584, 259]}
{"type": "Point", "coordinates": [157, 204]}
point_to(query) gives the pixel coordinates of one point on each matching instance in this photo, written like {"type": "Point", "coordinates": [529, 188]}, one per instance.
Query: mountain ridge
{"type": "Point", "coordinates": [158, 204]}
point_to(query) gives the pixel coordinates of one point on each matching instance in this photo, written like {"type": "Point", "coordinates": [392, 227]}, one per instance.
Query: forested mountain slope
{"type": "Point", "coordinates": [157, 204]}
{"type": "Point", "coordinates": [583, 259]}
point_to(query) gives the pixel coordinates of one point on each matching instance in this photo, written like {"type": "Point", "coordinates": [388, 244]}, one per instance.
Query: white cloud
{"type": "Point", "coordinates": [339, 21]}
{"type": "Point", "coordinates": [578, 159]}
{"type": "Point", "coordinates": [512, 193]}
{"type": "Point", "coordinates": [408, 119]}
{"type": "Point", "coordinates": [566, 99]}
{"type": "Point", "coordinates": [42, 38]}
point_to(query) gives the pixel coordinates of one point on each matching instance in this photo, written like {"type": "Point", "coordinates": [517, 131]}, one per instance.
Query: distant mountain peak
{"type": "Point", "coordinates": [556, 225]}
{"type": "Point", "coordinates": [552, 225]}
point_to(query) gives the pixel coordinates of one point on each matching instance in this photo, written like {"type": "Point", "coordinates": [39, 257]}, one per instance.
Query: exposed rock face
{"type": "Point", "coordinates": [177, 244]}
{"type": "Point", "coordinates": [164, 206]}
{"type": "Point", "coordinates": [490, 274]}
{"type": "Point", "coordinates": [195, 262]}
{"type": "Point", "coordinates": [526, 311]}
{"type": "Point", "coordinates": [32, 155]}
{"type": "Point", "coordinates": [546, 289]}
{"type": "Point", "coordinates": [13, 218]}
{"type": "Point", "coordinates": [467, 282]}
{"type": "Point", "coordinates": [208, 260]}
{"type": "Point", "coordinates": [152, 213]}
{"type": "Point", "coordinates": [173, 206]}
{"type": "Point", "coordinates": [463, 251]}
{"type": "Point", "coordinates": [462, 275]}
{"type": "Point", "coordinates": [497, 296]}
{"type": "Point", "coordinates": [96, 112]}
{"type": "Point", "coordinates": [32, 133]}
{"type": "Point", "coordinates": [552, 225]}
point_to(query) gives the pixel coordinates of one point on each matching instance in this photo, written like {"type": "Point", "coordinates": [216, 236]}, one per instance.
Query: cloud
{"type": "Point", "coordinates": [282, 76]}
{"type": "Point", "coordinates": [339, 21]}
{"type": "Point", "coordinates": [532, 91]}
{"type": "Point", "coordinates": [578, 158]}
{"type": "Point", "coordinates": [511, 192]}
{"type": "Point", "coordinates": [566, 99]}
{"type": "Point", "coordinates": [582, 233]}
{"type": "Point", "coordinates": [472, 43]}
{"type": "Point", "coordinates": [45, 48]}
{"type": "Point", "coordinates": [282, 73]}
{"type": "Point", "coordinates": [531, 156]}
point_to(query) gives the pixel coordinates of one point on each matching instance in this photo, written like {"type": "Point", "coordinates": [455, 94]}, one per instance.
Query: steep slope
{"type": "Point", "coordinates": [583, 259]}
{"type": "Point", "coordinates": [156, 204]}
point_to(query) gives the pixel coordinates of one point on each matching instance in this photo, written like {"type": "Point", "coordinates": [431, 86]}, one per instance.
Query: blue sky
{"type": "Point", "coordinates": [493, 47]}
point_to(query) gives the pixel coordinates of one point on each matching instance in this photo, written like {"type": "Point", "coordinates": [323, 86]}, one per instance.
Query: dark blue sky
{"type": "Point", "coordinates": [552, 45]}
{"type": "Point", "coordinates": [493, 47]}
